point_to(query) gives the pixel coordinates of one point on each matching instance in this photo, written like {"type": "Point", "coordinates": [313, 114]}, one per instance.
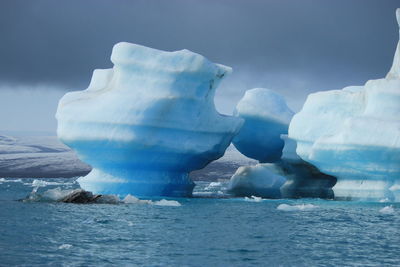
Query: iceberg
{"type": "Point", "coordinates": [261, 180]}
{"type": "Point", "coordinates": [263, 137]}
{"type": "Point", "coordinates": [266, 117]}
{"type": "Point", "coordinates": [147, 122]}
{"type": "Point", "coordinates": [354, 135]}
{"type": "Point", "coordinates": [290, 177]}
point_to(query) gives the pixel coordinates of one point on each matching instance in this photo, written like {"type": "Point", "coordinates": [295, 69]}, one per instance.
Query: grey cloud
{"type": "Point", "coordinates": [292, 46]}
{"type": "Point", "coordinates": [63, 41]}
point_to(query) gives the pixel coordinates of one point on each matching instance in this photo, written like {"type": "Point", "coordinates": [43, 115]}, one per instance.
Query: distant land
{"type": "Point", "coordinates": [42, 155]}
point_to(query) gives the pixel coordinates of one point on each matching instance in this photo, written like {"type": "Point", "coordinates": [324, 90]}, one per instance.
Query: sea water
{"type": "Point", "coordinates": [210, 229]}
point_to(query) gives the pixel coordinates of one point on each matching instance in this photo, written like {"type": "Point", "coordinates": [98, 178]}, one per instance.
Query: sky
{"type": "Point", "coordinates": [295, 47]}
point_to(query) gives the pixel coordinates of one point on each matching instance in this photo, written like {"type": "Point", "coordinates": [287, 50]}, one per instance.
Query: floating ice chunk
{"type": "Point", "coordinates": [354, 135]}
{"type": "Point", "coordinates": [266, 116]}
{"type": "Point", "coordinates": [301, 207]}
{"type": "Point", "coordinates": [129, 199]}
{"type": "Point", "coordinates": [65, 246]}
{"type": "Point", "coordinates": [387, 210]}
{"type": "Point", "coordinates": [263, 180]}
{"type": "Point", "coordinates": [164, 202]}
{"type": "Point", "coordinates": [253, 199]}
{"type": "Point", "coordinates": [146, 123]}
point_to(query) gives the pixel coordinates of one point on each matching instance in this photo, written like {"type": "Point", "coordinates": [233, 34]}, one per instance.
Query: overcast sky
{"type": "Point", "coordinates": [296, 47]}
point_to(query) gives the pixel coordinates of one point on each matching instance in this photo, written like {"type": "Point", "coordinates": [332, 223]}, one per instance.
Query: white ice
{"type": "Point", "coordinates": [301, 207]}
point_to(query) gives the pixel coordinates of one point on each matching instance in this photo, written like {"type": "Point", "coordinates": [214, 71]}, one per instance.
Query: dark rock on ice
{"type": "Point", "coordinates": [80, 196]}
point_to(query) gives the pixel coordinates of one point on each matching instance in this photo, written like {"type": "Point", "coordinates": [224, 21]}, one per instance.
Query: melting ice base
{"type": "Point", "coordinates": [202, 231]}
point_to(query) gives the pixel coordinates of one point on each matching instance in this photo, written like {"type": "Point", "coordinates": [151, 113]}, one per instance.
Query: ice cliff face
{"type": "Point", "coordinates": [266, 116]}
{"type": "Point", "coordinates": [147, 122]}
{"type": "Point", "coordinates": [354, 134]}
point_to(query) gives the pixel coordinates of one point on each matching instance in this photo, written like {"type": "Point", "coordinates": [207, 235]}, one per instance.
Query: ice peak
{"type": "Point", "coordinates": [398, 16]}
{"type": "Point", "coordinates": [394, 72]}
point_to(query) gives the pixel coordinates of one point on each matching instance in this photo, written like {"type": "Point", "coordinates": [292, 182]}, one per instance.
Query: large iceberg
{"type": "Point", "coordinates": [147, 122]}
{"type": "Point", "coordinates": [266, 116]}
{"type": "Point", "coordinates": [354, 134]}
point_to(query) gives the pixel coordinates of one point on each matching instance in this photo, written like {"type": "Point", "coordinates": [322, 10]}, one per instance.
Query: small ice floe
{"type": "Point", "coordinates": [65, 246]}
{"type": "Point", "coordinates": [164, 202]}
{"type": "Point", "coordinates": [129, 199]}
{"type": "Point", "coordinates": [3, 180]}
{"type": "Point", "coordinates": [301, 207]}
{"type": "Point", "coordinates": [384, 200]}
{"type": "Point", "coordinates": [253, 199]}
{"type": "Point", "coordinates": [387, 210]}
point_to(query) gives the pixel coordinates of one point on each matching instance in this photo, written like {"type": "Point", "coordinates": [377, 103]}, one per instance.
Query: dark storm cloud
{"type": "Point", "coordinates": [61, 42]}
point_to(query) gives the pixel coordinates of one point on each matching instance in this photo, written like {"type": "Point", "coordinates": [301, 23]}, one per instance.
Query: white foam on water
{"type": "Point", "coordinates": [387, 210]}
{"type": "Point", "coordinates": [65, 246]}
{"type": "Point", "coordinates": [301, 207]}
{"type": "Point", "coordinates": [253, 199]}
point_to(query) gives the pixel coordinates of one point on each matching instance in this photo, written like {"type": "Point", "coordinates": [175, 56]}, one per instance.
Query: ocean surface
{"type": "Point", "coordinates": [210, 229]}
